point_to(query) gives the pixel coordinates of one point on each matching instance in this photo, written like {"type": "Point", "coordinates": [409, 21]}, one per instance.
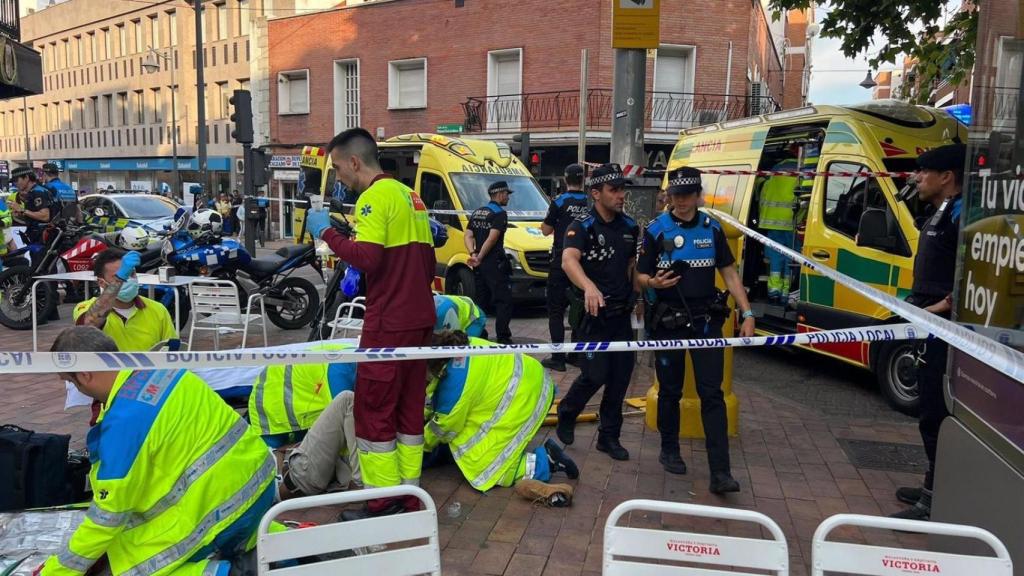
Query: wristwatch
{"type": "Point", "coordinates": [747, 314]}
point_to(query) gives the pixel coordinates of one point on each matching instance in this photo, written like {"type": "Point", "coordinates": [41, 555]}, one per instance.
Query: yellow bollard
{"type": "Point", "coordinates": [690, 425]}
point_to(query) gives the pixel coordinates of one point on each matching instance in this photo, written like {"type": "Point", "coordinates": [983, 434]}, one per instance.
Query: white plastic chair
{"type": "Point", "coordinates": [869, 560]}
{"type": "Point", "coordinates": [215, 308]}
{"type": "Point", "coordinates": [648, 545]}
{"type": "Point", "coordinates": [345, 320]}
{"type": "Point", "coordinates": [369, 533]}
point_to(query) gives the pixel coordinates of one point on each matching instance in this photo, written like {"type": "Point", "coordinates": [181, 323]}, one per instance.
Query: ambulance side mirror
{"type": "Point", "coordinates": [874, 230]}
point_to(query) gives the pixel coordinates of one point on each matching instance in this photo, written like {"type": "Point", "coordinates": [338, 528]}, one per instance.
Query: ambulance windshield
{"type": "Point", "coordinates": [526, 193]}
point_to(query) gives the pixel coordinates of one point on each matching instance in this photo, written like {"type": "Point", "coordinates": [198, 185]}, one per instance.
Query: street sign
{"type": "Point", "coordinates": [635, 23]}
{"type": "Point", "coordinates": [449, 128]}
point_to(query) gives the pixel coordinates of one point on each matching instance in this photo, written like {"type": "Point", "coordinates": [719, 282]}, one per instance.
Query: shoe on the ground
{"type": "Point", "coordinates": [566, 429]}
{"type": "Point", "coordinates": [613, 448]}
{"type": "Point", "coordinates": [559, 461]}
{"type": "Point", "coordinates": [553, 495]}
{"type": "Point", "coordinates": [908, 495]}
{"type": "Point", "coordinates": [915, 512]}
{"type": "Point", "coordinates": [553, 364]}
{"type": "Point", "coordinates": [672, 462]}
{"type": "Point", "coordinates": [723, 482]}
{"type": "Point", "coordinates": [507, 341]}
{"type": "Point", "coordinates": [393, 507]}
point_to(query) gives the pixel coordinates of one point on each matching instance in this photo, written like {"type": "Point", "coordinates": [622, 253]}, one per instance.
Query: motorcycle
{"type": "Point", "coordinates": [291, 301]}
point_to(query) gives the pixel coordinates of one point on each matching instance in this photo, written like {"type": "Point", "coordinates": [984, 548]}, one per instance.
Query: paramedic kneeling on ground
{"type": "Point", "coordinates": [179, 480]}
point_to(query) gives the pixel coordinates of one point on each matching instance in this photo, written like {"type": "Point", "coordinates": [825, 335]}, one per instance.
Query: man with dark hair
{"type": "Point", "coordinates": [394, 248]}
{"type": "Point", "coordinates": [180, 482]}
{"type": "Point", "coordinates": [485, 243]}
{"type": "Point", "coordinates": [565, 209]}
{"type": "Point", "coordinates": [599, 257]}
{"type": "Point", "coordinates": [940, 179]}
{"type": "Point", "coordinates": [33, 205]}
{"type": "Point", "coordinates": [62, 194]}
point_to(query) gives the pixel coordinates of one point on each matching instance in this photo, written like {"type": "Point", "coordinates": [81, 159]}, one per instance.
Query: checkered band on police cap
{"type": "Point", "coordinates": [608, 174]}
{"type": "Point", "coordinates": [498, 187]}
{"type": "Point", "coordinates": [685, 180]}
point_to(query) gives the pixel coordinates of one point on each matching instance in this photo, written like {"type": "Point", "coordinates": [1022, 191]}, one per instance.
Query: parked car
{"type": "Point", "coordinates": [113, 212]}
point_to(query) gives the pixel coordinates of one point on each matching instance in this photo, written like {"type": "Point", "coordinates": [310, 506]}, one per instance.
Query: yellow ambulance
{"type": "Point", "coordinates": [861, 226]}
{"type": "Point", "coordinates": [452, 175]}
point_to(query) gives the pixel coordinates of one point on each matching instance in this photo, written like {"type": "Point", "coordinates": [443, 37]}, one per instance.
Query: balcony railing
{"type": "Point", "coordinates": [10, 25]}
{"type": "Point", "coordinates": [663, 111]}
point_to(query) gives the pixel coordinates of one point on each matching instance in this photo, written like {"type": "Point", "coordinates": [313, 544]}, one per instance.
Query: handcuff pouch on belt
{"type": "Point", "coordinates": [664, 315]}
{"type": "Point", "coordinates": [581, 321]}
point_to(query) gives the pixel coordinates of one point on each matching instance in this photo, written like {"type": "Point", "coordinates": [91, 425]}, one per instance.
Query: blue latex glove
{"type": "Point", "coordinates": [130, 261]}
{"type": "Point", "coordinates": [317, 221]}
{"type": "Point", "coordinates": [350, 283]}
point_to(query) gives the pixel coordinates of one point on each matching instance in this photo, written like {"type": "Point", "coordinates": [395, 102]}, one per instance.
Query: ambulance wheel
{"type": "Point", "coordinates": [461, 283]}
{"type": "Point", "coordinates": [897, 375]}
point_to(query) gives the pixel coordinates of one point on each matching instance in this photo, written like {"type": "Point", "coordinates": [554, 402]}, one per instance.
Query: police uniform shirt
{"type": "Point", "coordinates": [36, 199]}
{"type": "Point", "coordinates": [699, 241]}
{"type": "Point", "coordinates": [935, 262]}
{"type": "Point", "coordinates": [606, 248]}
{"type": "Point", "coordinates": [484, 219]}
{"type": "Point", "coordinates": [564, 210]}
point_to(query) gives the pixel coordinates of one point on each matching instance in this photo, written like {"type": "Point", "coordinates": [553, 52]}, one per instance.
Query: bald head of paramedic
{"type": "Point", "coordinates": [161, 503]}
{"type": "Point", "coordinates": [939, 178]}
{"type": "Point", "coordinates": [680, 253]}
{"type": "Point", "coordinates": [394, 248]}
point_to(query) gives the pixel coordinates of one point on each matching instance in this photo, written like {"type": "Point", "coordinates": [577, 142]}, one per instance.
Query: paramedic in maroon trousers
{"type": "Point", "coordinates": [393, 247]}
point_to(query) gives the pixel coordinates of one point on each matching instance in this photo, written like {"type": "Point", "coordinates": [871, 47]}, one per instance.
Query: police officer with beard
{"type": "Point", "coordinates": [564, 210]}
{"type": "Point", "coordinates": [681, 250]}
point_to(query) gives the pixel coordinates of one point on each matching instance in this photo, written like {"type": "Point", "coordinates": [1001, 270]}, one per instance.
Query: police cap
{"type": "Point", "coordinates": [685, 180]}
{"type": "Point", "coordinates": [22, 171]}
{"type": "Point", "coordinates": [498, 187]}
{"type": "Point", "coordinates": [949, 157]}
{"type": "Point", "coordinates": [574, 170]}
{"type": "Point", "coordinates": [51, 168]}
{"type": "Point", "coordinates": [608, 174]}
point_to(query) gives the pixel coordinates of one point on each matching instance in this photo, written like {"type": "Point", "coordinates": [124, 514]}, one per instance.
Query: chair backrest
{"type": "Point", "coordinates": [646, 545]}
{"type": "Point", "coordinates": [402, 560]}
{"type": "Point", "coordinates": [214, 297]}
{"type": "Point", "coordinates": [870, 560]}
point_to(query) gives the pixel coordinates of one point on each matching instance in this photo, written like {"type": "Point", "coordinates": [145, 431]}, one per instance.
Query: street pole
{"type": "Point", "coordinates": [174, 125]}
{"type": "Point", "coordinates": [201, 98]}
{"type": "Point", "coordinates": [630, 72]}
{"type": "Point", "coordinates": [581, 157]}
{"type": "Point", "coordinates": [248, 198]}
{"type": "Point", "coordinates": [28, 143]}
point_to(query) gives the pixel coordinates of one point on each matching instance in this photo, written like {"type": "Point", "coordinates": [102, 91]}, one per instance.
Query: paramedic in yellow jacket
{"type": "Point", "coordinates": [776, 220]}
{"type": "Point", "coordinates": [487, 409]}
{"type": "Point", "coordinates": [179, 480]}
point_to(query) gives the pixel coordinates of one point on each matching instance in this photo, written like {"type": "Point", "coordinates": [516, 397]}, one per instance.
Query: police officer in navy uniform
{"type": "Point", "coordinates": [680, 253]}
{"type": "Point", "coordinates": [486, 246]}
{"type": "Point", "coordinates": [34, 203]}
{"type": "Point", "coordinates": [565, 209]}
{"type": "Point", "coordinates": [940, 179]}
{"type": "Point", "coordinates": [62, 195]}
{"type": "Point", "coordinates": [598, 257]}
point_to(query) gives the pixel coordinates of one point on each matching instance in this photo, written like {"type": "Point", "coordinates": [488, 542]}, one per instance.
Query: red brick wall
{"type": "Point", "coordinates": [455, 42]}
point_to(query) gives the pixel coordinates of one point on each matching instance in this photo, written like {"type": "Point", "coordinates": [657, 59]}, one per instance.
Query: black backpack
{"type": "Point", "coordinates": [34, 470]}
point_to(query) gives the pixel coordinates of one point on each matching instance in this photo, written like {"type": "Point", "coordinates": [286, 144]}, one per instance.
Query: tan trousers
{"type": "Point", "coordinates": [326, 460]}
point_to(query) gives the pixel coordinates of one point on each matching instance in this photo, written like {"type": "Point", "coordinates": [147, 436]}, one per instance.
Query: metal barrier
{"type": "Point", "coordinates": [340, 536]}
{"type": "Point", "coordinates": [708, 549]}
{"type": "Point", "coordinates": [870, 560]}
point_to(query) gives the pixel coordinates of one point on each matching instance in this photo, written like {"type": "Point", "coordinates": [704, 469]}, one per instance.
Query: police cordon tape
{"type": "Point", "coordinates": [1003, 358]}
{"type": "Point", "coordinates": [52, 362]}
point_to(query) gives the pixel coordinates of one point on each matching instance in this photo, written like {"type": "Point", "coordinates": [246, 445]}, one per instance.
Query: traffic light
{"type": "Point", "coordinates": [521, 147]}
{"type": "Point", "coordinates": [241, 102]}
{"type": "Point", "coordinates": [260, 167]}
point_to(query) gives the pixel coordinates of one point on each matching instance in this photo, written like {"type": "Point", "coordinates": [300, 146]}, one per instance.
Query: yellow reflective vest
{"type": "Point", "coordinates": [174, 468]}
{"type": "Point", "coordinates": [776, 200]}
{"type": "Point", "coordinates": [488, 408]}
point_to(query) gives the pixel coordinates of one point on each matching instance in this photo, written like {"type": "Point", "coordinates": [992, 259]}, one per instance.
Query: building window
{"type": "Point", "coordinates": [504, 89]}
{"type": "Point", "coordinates": [156, 106]}
{"type": "Point", "coordinates": [154, 31]}
{"type": "Point", "coordinates": [77, 52]}
{"type": "Point", "coordinates": [206, 25]}
{"type": "Point", "coordinates": [94, 111]}
{"type": "Point", "coordinates": [65, 58]}
{"type": "Point", "coordinates": [140, 42]}
{"type": "Point", "coordinates": [243, 17]}
{"type": "Point", "coordinates": [122, 39]}
{"type": "Point", "coordinates": [172, 27]}
{"type": "Point", "coordinates": [122, 108]}
{"type": "Point", "coordinates": [140, 108]}
{"type": "Point", "coordinates": [293, 92]}
{"type": "Point", "coordinates": [407, 83]}
{"type": "Point", "coordinates": [346, 94]}
{"type": "Point", "coordinates": [107, 52]}
{"type": "Point", "coordinates": [222, 21]}
{"type": "Point", "coordinates": [672, 104]}
{"type": "Point", "coordinates": [92, 47]}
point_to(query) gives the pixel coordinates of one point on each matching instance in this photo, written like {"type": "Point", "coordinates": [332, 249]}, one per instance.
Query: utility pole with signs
{"type": "Point", "coordinates": [634, 29]}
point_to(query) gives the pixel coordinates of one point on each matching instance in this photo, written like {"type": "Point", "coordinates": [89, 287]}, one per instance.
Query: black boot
{"type": "Point", "coordinates": [672, 462]}
{"type": "Point", "coordinates": [909, 495]}
{"type": "Point", "coordinates": [723, 482]}
{"type": "Point", "coordinates": [921, 510]}
{"type": "Point", "coordinates": [566, 429]}
{"type": "Point", "coordinates": [554, 363]}
{"type": "Point", "coordinates": [558, 461]}
{"type": "Point", "coordinates": [612, 447]}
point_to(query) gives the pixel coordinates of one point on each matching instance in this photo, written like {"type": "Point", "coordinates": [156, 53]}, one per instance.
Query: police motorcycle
{"type": "Point", "coordinates": [347, 282]}
{"type": "Point", "coordinates": [195, 247]}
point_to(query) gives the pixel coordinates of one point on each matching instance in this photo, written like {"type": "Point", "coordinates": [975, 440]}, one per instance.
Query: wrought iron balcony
{"type": "Point", "coordinates": [663, 111]}
{"type": "Point", "coordinates": [10, 25]}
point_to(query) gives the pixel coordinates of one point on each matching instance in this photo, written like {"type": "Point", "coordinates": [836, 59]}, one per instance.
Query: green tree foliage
{"type": "Point", "coordinates": [910, 27]}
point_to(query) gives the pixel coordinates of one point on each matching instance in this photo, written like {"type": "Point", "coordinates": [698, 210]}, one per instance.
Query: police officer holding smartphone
{"type": "Point", "coordinates": [599, 257]}
{"type": "Point", "coordinates": [680, 253]}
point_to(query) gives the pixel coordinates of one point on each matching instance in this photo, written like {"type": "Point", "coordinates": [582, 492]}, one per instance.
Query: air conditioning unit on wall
{"type": "Point", "coordinates": [756, 92]}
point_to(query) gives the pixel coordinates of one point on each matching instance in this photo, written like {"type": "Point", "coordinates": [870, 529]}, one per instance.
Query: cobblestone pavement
{"type": "Point", "coordinates": [795, 410]}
